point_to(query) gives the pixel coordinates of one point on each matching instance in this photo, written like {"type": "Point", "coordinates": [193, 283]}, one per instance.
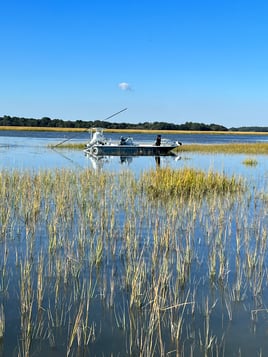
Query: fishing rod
{"type": "Point", "coordinates": [109, 117]}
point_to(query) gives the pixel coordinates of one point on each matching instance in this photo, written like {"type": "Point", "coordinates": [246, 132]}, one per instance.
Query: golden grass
{"type": "Point", "coordinates": [232, 148]}
{"type": "Point", "coordinates": [33, 128]}
{"type": "Point", "coordinates": [250, 162]}
{"type": "Point", "coordinates": [70, 146]}
{"type": "Point", "coordinates": [89, 245]}
{"type": "Point", "coordinates": [142, 131]}
{"type": "Point", "coordinates": [169, 183]}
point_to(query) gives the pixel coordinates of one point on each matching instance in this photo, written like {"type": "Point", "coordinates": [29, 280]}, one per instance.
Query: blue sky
{"type": "Point", "coordinates": [201, 61]}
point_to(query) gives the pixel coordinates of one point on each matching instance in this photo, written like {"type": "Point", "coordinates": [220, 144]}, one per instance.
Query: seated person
{"type": "Point", "coordinates": [123, 140]}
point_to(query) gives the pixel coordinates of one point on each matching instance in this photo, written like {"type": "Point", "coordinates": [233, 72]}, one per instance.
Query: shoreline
{"type": "Point", "coordinates": [134, 131]}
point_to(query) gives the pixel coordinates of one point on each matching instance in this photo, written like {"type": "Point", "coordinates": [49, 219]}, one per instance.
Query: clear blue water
{"type": "Point", "coordinates": [29, 150]}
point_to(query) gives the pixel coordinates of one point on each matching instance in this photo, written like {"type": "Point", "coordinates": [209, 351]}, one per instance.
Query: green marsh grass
{"type": "Point", "coordinates": [89, 258]}
{"type": "Point", "coordinates": [169, 183]}
{"type": "Point", "coordinates": [68, 145]}
{"type": "Point", "coordinates": [250, 162]}
{"type": "Point", "coordinates": [231, 148]}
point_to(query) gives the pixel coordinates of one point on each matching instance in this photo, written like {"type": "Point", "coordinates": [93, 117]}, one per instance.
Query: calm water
{"type": "Point", "coordinates": [242, 334]}
{"type": "Point", "coordinates": [29, 150]}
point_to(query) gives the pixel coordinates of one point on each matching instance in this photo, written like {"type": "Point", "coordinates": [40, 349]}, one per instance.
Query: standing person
{"type": "Point", "coordinates": [158, 140]}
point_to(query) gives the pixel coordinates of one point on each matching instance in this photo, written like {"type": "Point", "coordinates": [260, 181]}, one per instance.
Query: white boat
{"type": "Point", "coordinates": [98, 145]}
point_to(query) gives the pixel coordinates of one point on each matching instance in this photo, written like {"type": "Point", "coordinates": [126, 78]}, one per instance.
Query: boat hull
{"type": "Point", "coordinates": [130, 150]}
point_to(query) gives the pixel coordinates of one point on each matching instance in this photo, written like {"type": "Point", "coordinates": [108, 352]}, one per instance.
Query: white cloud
{"type": "Point", "coordinates": [124, 86]}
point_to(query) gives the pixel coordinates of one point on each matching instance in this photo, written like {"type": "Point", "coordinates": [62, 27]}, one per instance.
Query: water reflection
{"type": "Point", "coordinates": [126, 160]}
{"type": "Point", "coordinates": [67, 157]}
{"type": "Point", "coordinates": [157, 161]}
{"type": "Point", "coordinates": [97, 162]}
{"type": "Point", "coordinates": [30, 151]}
{"type": "Point", "coordinates": [100, 162]}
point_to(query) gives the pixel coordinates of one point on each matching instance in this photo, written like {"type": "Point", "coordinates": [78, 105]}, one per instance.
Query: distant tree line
{"type": "Point", "coordinates": [251, 128]}
{"type": "Point", "coordinates": [59, 123]}
{"type": "Point", "coordinates": [46, 122]}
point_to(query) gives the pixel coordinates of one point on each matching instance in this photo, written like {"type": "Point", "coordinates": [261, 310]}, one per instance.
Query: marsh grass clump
{"type": "Point", "coordinates": [166, 183]}
{"type": "Point", "coordinates": [250, 162]}
{"type": "Point", "coordinates": [231, 148]}
{"type": "Point", "coordinates": [70, 146]}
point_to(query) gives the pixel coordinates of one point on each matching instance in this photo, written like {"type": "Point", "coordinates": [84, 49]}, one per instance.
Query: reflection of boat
{"type": "Point", "coordinates": [100, 146]}
{"type": "Point", "coordinates": [99, 162]}
{"type": "Point", "coordinates": [126, 160]}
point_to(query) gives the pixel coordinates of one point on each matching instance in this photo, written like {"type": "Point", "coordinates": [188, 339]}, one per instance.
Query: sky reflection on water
{"type": "Point", "coordinates": [29, 150]}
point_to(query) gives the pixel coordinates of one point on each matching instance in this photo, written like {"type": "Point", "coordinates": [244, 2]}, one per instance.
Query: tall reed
{"type": "Point", "coordinates": [153, 261]}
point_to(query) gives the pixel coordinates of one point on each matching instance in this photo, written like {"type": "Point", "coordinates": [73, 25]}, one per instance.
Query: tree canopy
{"type": "Point", "coordinates": [59, 123]}
{"type": "Point", "coordinates": [47, 122]}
